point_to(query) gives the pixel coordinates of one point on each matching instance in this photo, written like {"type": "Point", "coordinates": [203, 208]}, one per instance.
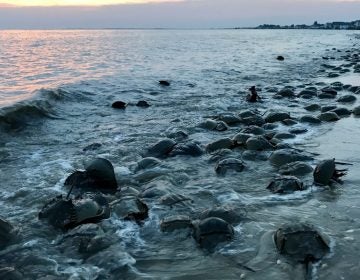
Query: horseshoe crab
{"type": "Point", "coordinates": [224, 143]}
{"type": "Point", "coordinates": [277, 117]}
{"type": "Point", "coordinates": [212, 231]}
{"type": "Point", "coordinates": [284, 156]}
{"type": "Point", "coordinates": [175, 222]}
{"type": "Point", "coordinates": [161, 149]}
{"type": "Point", "coordinates": [326, 171]}
{"type": "Point", "coordinates": [258, 143]}
{"type": "Point", "coordinates": [66, 213]}
{"type": "Point", "coordinates": [297, 168]}
{"type": "Point", "coordinates": [130, 208]}
{"type": "Point", "coordinates": [7, 233]}
{"type": "Point", "coordinates": [189, 148]}
{"type": "Point", "coordinates": [99, 174]}
{"type": "Point", "coordinates": [214, 125]}
{"type": "Point", "coordinates": [303, 243]}
{"type": "Point", "coordinates": [10, 273]}
{"type": "Point", "coordinates": [224, 165]}
{"type": "Point", "coordinates": [230, 214]}
{"type": "Point", "coordinates": [285, 185]}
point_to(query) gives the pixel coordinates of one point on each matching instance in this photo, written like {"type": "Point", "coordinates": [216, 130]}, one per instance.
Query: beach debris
{"type": "Point", "coordinates": [119, 105]}
{"type": "Point", "coordinates": [64, 214]}
{"type": "Point", "coordinates": [326, 171]}
{"type": "Point", "coordinates": [211, 231]}
{"type": "Point", "coordinates": [356, 111]}
{"type": "Point", "coordinates": [223, 166]}
{"type": "Point", "coordinates": [285, 185]}
{"type": "Point", "coordinates": [98, 175]}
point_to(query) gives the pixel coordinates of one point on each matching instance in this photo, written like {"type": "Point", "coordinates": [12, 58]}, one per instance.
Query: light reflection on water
{"type": "Point", "coordinates": [209, 70]}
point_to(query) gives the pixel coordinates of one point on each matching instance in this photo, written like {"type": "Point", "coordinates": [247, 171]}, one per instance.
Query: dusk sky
{"type": "Point", "coordinates": [171, 13]}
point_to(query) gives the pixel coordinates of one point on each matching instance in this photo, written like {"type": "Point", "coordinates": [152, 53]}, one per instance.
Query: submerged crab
{"type": "Point", "coordinates": [326, 171]}
{"type": "Point", "coordinates": [285, 185]}
{"type": "Point", "coordinates": [303, 243]}
{"type": "Point", "coordinates": [212, 231]}
{"type": "Point", "coordinates": [66, 213]}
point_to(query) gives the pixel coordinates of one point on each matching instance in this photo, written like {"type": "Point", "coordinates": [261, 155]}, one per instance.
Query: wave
{"type": "Point", "coordinates": [40, 105]}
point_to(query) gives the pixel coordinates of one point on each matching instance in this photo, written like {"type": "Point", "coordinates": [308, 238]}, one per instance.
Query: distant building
{"type": "Point", "coordinates": [330, 25]}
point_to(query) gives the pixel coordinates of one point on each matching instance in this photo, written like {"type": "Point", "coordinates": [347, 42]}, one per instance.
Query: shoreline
{"type": "Point", "coordinates": [187, 185]}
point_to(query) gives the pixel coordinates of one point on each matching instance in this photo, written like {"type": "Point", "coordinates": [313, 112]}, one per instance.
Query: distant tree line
{"type": "Point", "coordinates": [336, 25]}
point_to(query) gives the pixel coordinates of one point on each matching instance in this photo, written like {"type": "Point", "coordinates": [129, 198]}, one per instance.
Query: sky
{"type": "Point", "coordinates": [50, 14]}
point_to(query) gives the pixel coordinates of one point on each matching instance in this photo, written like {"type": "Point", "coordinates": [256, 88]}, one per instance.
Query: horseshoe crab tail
{"type": "Point", "coordinates": [309, 267]}
{"type": "Point", "coordinates": [68, 195]}
{"type": "Point", "coordinates": [343, 163]}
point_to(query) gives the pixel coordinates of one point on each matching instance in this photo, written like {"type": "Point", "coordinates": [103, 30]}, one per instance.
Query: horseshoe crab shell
{"type": "Point", "coordinates": [212, 231]}
{"type": "Point", "coordinates": [175, 222]}
{"type": "Point", "coordinates": [99, 174]}
{"type": "Point", "coordinates": [232, 215]}
{"type": "Point", "coordinates": [324, 172]}
{"type": "Point", "coordinates": [10, 273]}
{"type": "Point", "coordinates": [285, 185]}
{"type": "Point", "coordinates": [301, 242]}
{"type": "Point", "coordinates": [102, 172]}
{"type": "Point", "coordinates": [224, 165]}
{"type": "Point", "coordinates": [130, 208]}
{"type": "Point", "coordinates": [7, 233]}
{"type": "Point", "coordinates": [67, 213]}
{"type": "Point", "coordinates": [161, 149]}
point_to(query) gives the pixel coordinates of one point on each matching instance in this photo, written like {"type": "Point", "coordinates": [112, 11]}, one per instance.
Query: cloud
{"type": "Point", "coordinates": [185, 14]}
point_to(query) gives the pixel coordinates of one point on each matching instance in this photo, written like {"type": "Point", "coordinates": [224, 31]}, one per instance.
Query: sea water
{"type": "Point", "coordinates": [56, 91]}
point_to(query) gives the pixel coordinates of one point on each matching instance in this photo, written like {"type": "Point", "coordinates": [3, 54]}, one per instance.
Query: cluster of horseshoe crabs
{"type": "Point", "coordinates": [98, 194]}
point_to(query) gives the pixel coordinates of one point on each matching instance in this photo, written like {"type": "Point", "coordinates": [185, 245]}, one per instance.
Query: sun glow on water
{"type": "Point", "coordinates": [76, 2]}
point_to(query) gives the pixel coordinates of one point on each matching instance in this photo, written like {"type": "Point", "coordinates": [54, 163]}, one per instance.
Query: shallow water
{"type": "Point", "coordinates": [56, 94]}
